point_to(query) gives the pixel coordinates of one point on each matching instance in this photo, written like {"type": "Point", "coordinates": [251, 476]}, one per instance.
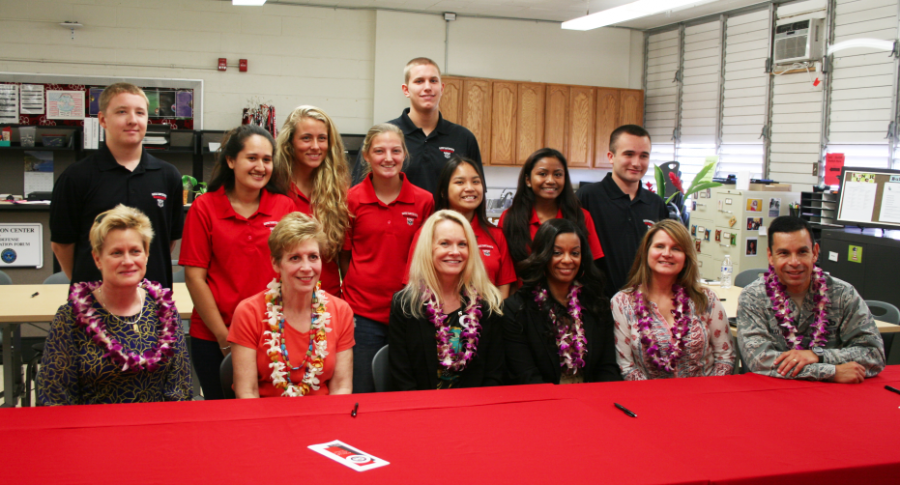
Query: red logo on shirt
{"type": "Point", "coordinates": [270, 224]}
{"type": "Point", "coordinates": [160, 198]}
{"type": "Point", "coordinates": [448, 152]}
{"type": "Point", "coordinates": [485, 249]}
{"type": "Point", "coordinates": [649, 223]}
{"type": "Point", "coordinates": [410, 217]}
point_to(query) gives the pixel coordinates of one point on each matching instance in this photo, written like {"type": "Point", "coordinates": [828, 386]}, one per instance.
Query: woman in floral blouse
{"type": "Point", "coordinates": [666, 324]}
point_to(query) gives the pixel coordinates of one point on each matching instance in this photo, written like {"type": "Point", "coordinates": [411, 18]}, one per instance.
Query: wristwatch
{"type": "Point", "coordinates": [819, 351]}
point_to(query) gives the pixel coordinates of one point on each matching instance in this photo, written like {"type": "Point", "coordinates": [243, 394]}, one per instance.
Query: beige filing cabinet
{"type": "Point", "coordinates": [725, 220]}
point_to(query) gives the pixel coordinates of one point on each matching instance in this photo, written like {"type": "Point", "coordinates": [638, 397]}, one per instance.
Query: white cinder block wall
{"type": "Point", "coordinates": [348, 62]}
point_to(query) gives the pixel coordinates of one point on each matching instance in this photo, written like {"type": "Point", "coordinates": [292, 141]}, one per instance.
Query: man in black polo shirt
{"type": "Point", "coordinates": [121, 172]}
{"type": "Point", "coordinates": [622, 210]}
{"type": "Point", "coordinates": [430, 139]}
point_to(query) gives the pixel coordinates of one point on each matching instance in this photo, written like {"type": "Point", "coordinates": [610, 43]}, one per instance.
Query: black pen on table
{"type": "Point", "coordinates": [625, 410]}
{"type": "Point", "coordinates": [892, 389]}
{"type": "Point", "coordinates": [35, 294]}
{"type": "Point", "coordinates": [355, 408]}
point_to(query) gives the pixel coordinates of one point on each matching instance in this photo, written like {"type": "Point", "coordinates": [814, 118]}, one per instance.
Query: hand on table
{"type": "Point", "coordinates": [796, 360]}
{"type": "Point", "coordinates": [849, 373]}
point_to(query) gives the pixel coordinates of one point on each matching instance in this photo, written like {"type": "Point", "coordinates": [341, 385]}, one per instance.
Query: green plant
{"type": "Point", "coordinates": [190, 183]}
{"type": "Point", "coordinates": [696, 186]}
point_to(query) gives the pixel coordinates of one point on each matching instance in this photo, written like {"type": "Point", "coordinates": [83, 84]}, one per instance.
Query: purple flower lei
{"type": "Point", "coordinates": [570, 339]}
{"type": "Point", "coordinates": [471, 329]}
{"type": "Point", "coordinates": [82, 300]}
{"type": "Point", "coordinates": [777, 293]}
{"type": "Point", "coordinates": [680, 329]}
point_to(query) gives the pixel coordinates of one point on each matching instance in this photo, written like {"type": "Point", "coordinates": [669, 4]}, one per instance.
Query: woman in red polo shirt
{"type": "Point", "coordinates": [544, 192]}
{"type": "Point", "coordinates": [387, 211]}
{"type": "Point", "coordinates": [225, 248]}
{"type": "Point", "coordinates": [310, 146]}
{"type": "Point", "coordinates": [461, 188]}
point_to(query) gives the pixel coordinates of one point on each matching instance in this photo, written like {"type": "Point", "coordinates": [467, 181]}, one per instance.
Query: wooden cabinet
{"type": "Point", "coordinates": [529, 120]}
{"type": "Point", "coordinates": [511, 120]}
{"type": "Point", "coordinates": [503, 123]}
{"type": "Point", "coordinates": [556, 116]}
{"type": "Point", "coordinates": [476, 113]}
{"type": "Point", "coordinates": [631, 107]}
{"type": "Point", "coordinates": [580, 127]}
{"type": "Point", "coordinates": [607, 121]}
{"type": "Point", "coordinates": [450, 107]}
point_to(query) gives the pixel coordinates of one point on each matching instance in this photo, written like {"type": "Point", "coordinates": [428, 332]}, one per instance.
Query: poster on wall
{"type": "Point", "coordinates": [774, 207]}
{"type": "Point", "coordinates": [38, 172]}
{"type": "Point", "coordinates": [9, 103]}
{"type": "Point", "coordinates": [65, 105]}
{"type": "Point", "coordinates": [32, 99]}
{"type": "Point", "coordinates": [754, 205]}
{"type": "Point", "coordinates": [94, 101]}
{"type": "Point", "coordinates": [21, 245]}
{"type": "Point", "coordinates": [184, 104]}
{"type": "Point", "coordinates": [753, 223]}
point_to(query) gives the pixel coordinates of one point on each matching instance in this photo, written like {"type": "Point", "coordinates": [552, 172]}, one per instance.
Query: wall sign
{"type": "Point", "coordinates": [21, 245]}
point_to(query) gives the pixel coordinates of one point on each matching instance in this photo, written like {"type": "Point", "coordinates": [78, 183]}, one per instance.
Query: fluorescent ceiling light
{"type": "Point", "coordinates": [251, 3]}
{"type": "Point", "coordinates": [624, 13]}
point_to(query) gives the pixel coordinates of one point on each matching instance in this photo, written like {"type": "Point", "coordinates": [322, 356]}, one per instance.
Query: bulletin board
{"type": "Point", "coordinates": [177, 103]}
{"type": "Point", "coordinates": [869, 197]}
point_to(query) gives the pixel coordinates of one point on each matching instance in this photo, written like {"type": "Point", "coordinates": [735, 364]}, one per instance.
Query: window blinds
{"type": "Point", "coordinates": [700, 97]}
{"type": "Point", "coordinates": [661, 95]}
{"type": "Point", "coordinates": [744, 94]}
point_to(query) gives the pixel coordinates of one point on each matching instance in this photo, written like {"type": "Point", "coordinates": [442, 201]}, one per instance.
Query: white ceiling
{"type": "Point", "coordinates": [555, 10]}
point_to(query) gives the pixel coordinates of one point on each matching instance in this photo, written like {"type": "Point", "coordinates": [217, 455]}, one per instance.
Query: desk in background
{"type": "Point", "coordinates": [707, 430]}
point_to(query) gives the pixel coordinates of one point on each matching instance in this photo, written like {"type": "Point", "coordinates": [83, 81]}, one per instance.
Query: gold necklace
{"type": "Point", "coordinates": [134, 324]}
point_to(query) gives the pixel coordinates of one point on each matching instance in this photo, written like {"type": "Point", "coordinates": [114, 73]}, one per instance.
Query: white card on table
{"type": "Point", "coordinates": [348, 456]}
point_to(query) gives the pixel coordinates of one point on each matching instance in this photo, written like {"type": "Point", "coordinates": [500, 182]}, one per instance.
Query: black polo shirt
{"type": "Point", "coordinates": [621, 223]}
{"type": "Point", "coordinates": [98, 183]}
{"type": "Point", "coordinates": [428, 154]}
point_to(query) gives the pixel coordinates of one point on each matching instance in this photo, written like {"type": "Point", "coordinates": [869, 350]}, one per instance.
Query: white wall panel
{"type": "Point", "coordinates": [700, 99]}
{"type": "Point", "coordinates": [661, 94]}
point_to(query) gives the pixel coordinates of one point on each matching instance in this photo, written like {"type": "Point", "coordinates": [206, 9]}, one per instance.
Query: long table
{"type": "Point", "coordinates": [36, 304]}
{"type": "Point", "coordinates": [716, 430]}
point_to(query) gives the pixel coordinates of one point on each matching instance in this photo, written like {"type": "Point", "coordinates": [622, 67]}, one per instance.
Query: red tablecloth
{"type": "Point", "coordinates": [736, 429]}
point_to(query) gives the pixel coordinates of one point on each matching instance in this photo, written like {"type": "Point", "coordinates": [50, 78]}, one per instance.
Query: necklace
{"type": "Point", "coordinates": [680, 330]}
{"type": "Point", "coordinates": [136, 318]}
{"type": "Point", "coordinates": [570, 339]}
{"type": "Point", "coordinates": [277, 351]}
{"type": "Point", "coordinates": [777, 293]}
{"type": "Point", "coordinates": [82, 299]}
{"type": "Point", "coordinates": [449, 358]}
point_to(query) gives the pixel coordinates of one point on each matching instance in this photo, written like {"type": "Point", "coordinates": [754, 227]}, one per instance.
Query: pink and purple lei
{"type": "Point", "coordinates": [777, 293]}
{"type": "Point", "coordinates": [680, 330]}
{"type": "Point", "coordinates": [570, 338]}
{"type": "Point", "coordinates": [86, 316]}
{"type": "Point", "coordinates": [471, 330]}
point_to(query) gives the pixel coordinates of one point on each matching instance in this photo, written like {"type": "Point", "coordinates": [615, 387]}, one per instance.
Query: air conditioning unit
{"type": "Point", "coordinates": [799, 39]}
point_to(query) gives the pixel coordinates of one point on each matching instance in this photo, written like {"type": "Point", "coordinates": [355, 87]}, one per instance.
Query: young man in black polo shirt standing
{"type": "Point", "coordinates": [621, 208]}
{"type": "Point", "coordinates": [121, 172]}
{"type": "Point", "coordinates": [430, 139]}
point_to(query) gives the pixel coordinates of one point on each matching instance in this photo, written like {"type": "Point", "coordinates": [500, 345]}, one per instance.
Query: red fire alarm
{"type": "Point", "coordinates": [223, 63]}
{"type": "Point", "coordinates": [242, 65]}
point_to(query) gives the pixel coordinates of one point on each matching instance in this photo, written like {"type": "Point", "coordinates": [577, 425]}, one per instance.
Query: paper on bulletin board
{"type": "Point", "coordinates": [9, 103]}
{"type": "Point", "coordinates": [857, 201]}
{"type": "Point", "coordinates": [32, 99]}
{"type": "Point", "coordinates": [38, 172]}
{"type": "Point", "coordinates": [890, 203]}
{"type": "Point", "coordinates": [834, 162]}
{"type": "Point", "coordinates": [21, 245]}
{"type": "Point", "coordinates": [65, 105]}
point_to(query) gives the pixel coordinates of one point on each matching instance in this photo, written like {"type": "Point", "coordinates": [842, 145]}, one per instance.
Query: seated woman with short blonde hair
{"type": "Point", "coordinates": [293, 339]}
{"type": "Point", "coordinates": [117, 340]}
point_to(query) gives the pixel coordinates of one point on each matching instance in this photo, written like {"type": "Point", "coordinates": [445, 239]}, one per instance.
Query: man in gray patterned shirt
{"type": "Point", "coordinates": [852, 350]}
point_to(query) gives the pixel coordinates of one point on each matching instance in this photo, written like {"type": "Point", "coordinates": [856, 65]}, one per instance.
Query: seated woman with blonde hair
{"type": "Point", "coordinates": [293, 339]}
{"type": "Point", "coordinates": [117, 340]}
{"type": "Point", "coordinates": [445, 326]}
{"type": "Point", "coordinates": [666, 324]}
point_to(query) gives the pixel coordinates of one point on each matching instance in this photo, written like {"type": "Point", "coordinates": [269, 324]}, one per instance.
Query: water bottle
{"type": "Point", "coordinates": [727, 269]}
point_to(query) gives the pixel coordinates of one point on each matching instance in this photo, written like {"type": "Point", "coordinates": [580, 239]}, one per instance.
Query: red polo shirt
{"type": "Point", "coordinates": [234, 250]}
{"type": "Point", "coordinates": [590, 231]}
{"type": "Point", "coordinates": [379, 238]}
{"type": "Point", "coordinates": [331, 276]}
{"type": "Point", "coordinates": [494, 254]}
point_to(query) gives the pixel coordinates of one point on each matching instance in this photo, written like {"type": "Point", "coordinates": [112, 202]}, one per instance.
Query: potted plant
{"type": "Point", "coordinates": [190, 185]}
{"type": "Point", "coordinates": [675, 202]}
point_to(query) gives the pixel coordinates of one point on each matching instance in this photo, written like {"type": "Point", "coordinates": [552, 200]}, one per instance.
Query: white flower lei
{"type": "Point", "coordinates": [277, 350]}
